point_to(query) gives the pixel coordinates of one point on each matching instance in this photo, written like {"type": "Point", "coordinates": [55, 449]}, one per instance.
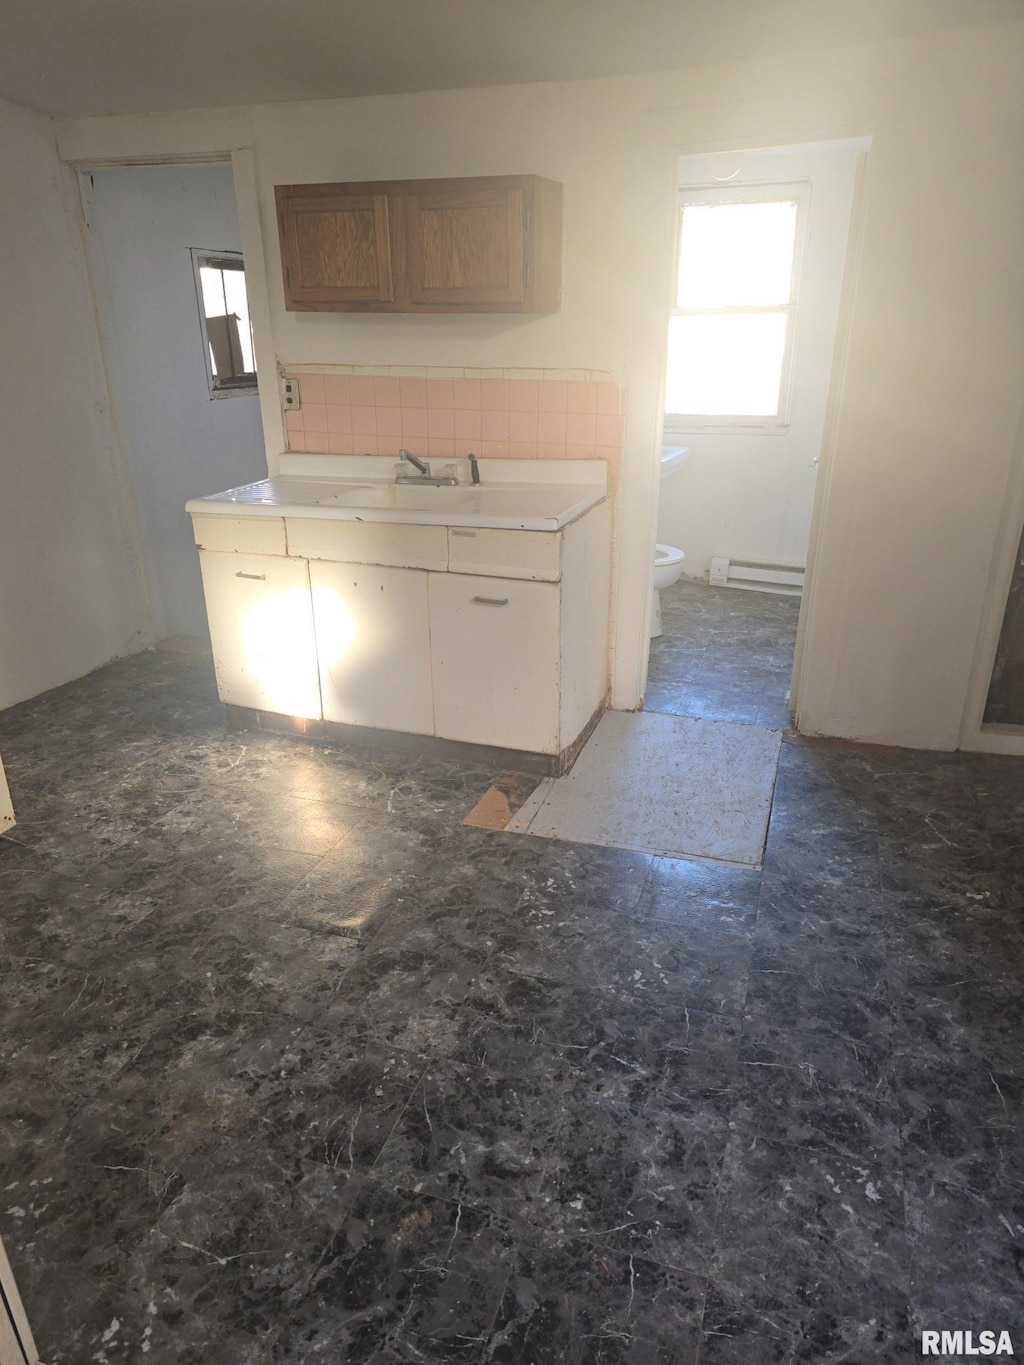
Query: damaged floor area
{"type": "Point", "coordinates": [295, 1066]}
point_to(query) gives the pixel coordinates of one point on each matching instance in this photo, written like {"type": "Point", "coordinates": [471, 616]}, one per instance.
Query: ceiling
{"type": "Point", "coordinates": [77, 57]}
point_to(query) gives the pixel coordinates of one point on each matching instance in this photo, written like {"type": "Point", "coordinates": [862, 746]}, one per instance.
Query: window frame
{"type": "Point", "coordinates": [220, 260]}
{"type": "Point", "coordinates": [765, 192]}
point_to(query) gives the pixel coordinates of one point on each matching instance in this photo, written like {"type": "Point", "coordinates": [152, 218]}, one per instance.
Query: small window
{"type": "Point", "coordinates": [226, 327]}
{"type": "Point", "coordinates": [731, 328]}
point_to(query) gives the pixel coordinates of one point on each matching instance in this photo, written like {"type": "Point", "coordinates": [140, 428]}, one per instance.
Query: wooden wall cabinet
{"type": "Point", "coordinates": [484, 244]}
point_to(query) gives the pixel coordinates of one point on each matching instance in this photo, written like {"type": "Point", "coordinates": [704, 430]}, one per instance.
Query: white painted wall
{"type": "Point", "coordinates": [178, 442]}
{"type": "Point", "coordinates": [749, 494]}
{"type": "Point", "coordinates": [928, 399]}
{"type": "Point", "coordinates": [70, 597]}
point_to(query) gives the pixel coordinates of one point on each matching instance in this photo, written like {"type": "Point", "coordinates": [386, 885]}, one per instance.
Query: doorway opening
{"type": "Point", "coordinates": [761, 250]}
{"type": "Point", "coordinates": [165, 254]}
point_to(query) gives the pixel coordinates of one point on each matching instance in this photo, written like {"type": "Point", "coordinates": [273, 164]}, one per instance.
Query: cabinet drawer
{"type": "Point", "coordinates": [368, 542]}
{"type": "Point", "coordinates": [494, 650]}
{"type": "Point", "coordinates": [505, 554]}
{"type": "Point", "coordinates": [243, 535]}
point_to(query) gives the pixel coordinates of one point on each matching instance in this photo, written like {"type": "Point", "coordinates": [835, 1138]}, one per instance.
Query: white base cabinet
{"type": "Point", "coordinates": [489, 637]}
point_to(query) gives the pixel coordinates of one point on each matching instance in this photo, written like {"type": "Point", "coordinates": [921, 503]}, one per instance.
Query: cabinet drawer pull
{"type": "Point", "coordinates": [240, 574]}
{"type": "Point", "coordinates": [491, 601]}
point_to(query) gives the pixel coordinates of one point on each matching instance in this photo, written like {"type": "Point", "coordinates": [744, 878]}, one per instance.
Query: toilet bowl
{"type": "Point", "coordinates": [668, 565]}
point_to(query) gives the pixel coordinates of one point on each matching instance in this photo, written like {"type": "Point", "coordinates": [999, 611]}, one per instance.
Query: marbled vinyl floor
{"type": "Point", "coordinates": [294, 1067]}
{"type": "Point", "coordinates": [724, 654]}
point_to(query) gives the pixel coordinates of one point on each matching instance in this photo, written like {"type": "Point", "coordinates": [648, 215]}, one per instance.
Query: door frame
{"type": "Point", "coordinates": [17, 1346]}
{"type": "Point", "coordinates": [837, 376]}
{"type": "Point", "coordinates": [975, 735]}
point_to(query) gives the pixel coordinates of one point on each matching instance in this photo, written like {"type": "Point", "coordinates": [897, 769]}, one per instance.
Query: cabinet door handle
{"type": "Point", "coordinates": [491, 601]}
{"type": "Point", "coordinates": [240, 574]}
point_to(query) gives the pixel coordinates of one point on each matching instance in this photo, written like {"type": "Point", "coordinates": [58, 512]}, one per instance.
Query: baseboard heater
{"type": "Point", "coordinates": [787, 579]}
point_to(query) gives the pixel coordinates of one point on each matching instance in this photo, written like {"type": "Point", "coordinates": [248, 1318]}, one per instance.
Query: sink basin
{"type": "Point", "coordinates": [521, 506]}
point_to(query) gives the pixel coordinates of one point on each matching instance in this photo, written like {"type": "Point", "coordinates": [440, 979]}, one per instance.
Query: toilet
{"type": "Point", "coordinates": [668, 565]}
{"type": "Point", "coordinates": [668, 561]}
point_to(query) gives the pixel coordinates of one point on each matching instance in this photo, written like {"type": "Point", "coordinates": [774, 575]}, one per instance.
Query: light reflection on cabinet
{"type": "Point", "coordinates": [261, 629]}
{"type": "Point", "coordinates": [373, 645]}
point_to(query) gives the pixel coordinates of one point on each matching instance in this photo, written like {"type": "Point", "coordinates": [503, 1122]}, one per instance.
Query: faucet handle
{"type": "Point", "coordinates": [409, 458]}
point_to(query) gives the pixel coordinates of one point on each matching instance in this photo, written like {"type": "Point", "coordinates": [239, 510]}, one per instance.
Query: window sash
{"type": "Point", "coordinates": [226, 262]}
{"type": "Point", "coordinates": [798, 193]}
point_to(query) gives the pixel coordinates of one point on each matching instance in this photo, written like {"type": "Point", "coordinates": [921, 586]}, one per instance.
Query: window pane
{"type": "Point", "coordinates": [234, 288]}
{"type": "Point", "coordinates": [725, 366]}
{"type": "Point", "coordinates": [224, 299]}
{"type": "Point", "coordinates": [212, 281]}
{"type": "Point", "coordinates": [736, 255]}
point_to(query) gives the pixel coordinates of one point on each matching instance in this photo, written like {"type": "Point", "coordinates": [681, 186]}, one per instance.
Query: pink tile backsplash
{"type": "Point", "coordinates": [467, 393]}
{"type": "Point", "coordinates": [520, 419]}
{"type": "Point", "coordinates": [522, 395]}
{"type": "Point", "coordinates": [389, 421]}
{"type": "Point", "coordinates": [414, 392]}
{"type": "Point", "coordinates": [494, 394]}
{"type": "Point", "coordinates": [608, 429]}
{"type": "Point", "coordinates": [467, 424]}
{"type": "Point", "coordinates": [440, 422]}
{"type": "Point", "coordinates": [414, 424]}
{"type": "Point", "coordinates": [440, 393]}
{"type": "Point", "coordinates": [494, 425]}
{"type": "Point", "coordinates": [314, 416]}
{"type": "Point", "coordinates": [551, 427]}
{"type": "Point", "coordinates": [522, 426]}
{"type": "Point", "coordinates": [552, 395]}
{"type": "Point", "coordinates": [387, 392]}
{"type": "Point", "coordinates": [579, 429]}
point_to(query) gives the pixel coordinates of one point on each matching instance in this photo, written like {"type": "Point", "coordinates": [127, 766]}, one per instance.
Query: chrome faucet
{"type": "Point", "coordinates": [474, 469]}
{"type": "Point", "coordinates": [424, 475]}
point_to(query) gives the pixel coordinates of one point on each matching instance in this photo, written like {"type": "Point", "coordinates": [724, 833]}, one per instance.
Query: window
{"type": "Point", "coordinates": [224, 314]}
{"type": "Point", "coordinates": [731, 329]}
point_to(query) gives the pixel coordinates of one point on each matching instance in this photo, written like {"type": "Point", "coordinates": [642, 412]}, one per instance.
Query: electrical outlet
{"type": "Point", "coordinates": [719, 571]}
{"type": "Point", "coordinates": [290, 389]}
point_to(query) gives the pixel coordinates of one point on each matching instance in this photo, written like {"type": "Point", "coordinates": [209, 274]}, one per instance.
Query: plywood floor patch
{"type": "Point", "coordinates": [663, 784]}
{"type": "Point", "coordinates": [502, 799]}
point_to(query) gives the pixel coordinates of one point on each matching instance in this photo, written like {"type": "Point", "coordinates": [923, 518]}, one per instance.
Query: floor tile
{"type": "Point", "coordinates": [295, 1066]}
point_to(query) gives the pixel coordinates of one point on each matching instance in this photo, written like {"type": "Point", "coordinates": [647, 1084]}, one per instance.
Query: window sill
{"type": "Point", "coordinates": [230, 391]}
{"type": "Point", "coordinates": [724, 427]}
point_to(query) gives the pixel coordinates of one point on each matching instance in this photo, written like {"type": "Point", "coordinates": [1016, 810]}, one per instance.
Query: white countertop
{"type": "Point", "coordinates": [557, 493]}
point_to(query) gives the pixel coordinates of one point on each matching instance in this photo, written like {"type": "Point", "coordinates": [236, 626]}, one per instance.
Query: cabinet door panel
{"type": "Point", "coordinates": [261, 629]}
{"type": "Point", "coordinates": [494, 644]}
{"type": "Point", "coordinates": [336, 249]}
{"type": "Point", "coordinates": [373, 642]}
{"type": "Point", "coordinates": [465, 246]}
